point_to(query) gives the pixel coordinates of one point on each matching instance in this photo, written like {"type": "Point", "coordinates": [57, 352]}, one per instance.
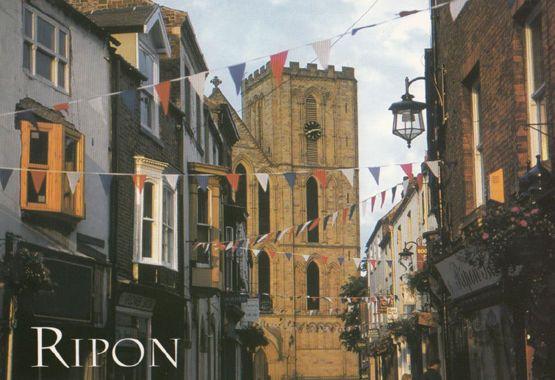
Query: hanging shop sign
{"type": "Point", "coordinates": [463, 278]}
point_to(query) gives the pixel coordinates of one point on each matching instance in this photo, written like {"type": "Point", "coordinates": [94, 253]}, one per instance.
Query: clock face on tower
{"type": "Point", "coordinates": [312, 130]}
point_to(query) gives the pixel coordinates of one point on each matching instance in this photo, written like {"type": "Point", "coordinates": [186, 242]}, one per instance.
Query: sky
{"type": "Point", "coordinates": [233, 31]}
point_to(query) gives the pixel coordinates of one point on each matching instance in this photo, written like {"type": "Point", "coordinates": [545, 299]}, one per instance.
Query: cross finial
{"type": "Point", "coordinates": [216, 81]}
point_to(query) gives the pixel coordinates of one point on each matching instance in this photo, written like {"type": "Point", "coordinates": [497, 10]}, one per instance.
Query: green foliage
{"type": "Point", "coordinates": [253, 337]}
{"type": "Point", "coordinates": [25, 273]}
{"type": "Point", "coordinates": [355, 288]}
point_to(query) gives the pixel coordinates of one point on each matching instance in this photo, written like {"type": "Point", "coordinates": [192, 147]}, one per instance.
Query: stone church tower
{"type": "Point", "coordinates": [307, 123]}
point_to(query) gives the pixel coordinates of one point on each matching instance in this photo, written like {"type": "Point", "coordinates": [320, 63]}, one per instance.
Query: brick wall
{"type": "Point", "coordinates": [486, 41]}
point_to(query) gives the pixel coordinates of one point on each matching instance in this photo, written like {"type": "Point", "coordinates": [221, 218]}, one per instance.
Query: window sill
{"type": "Point", "coordinates": [155, 263]}
{"type": "Point", "coordinates": [46, 82]}
{"type": "Point", "coordinates": [146, 132]}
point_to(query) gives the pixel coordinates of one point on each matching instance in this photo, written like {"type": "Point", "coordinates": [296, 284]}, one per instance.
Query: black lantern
{"type": "Point", "coordinates": [408, 122]}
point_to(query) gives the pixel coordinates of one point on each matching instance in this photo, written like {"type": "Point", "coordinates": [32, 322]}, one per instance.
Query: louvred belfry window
{"type": "Point", "coordinates": [311, 144]}
{"type": "Point", "coordinates": [48, 152]}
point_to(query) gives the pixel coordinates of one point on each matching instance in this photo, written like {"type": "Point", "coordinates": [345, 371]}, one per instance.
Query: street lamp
{"type": "Point", "coordinates": [408, 122]}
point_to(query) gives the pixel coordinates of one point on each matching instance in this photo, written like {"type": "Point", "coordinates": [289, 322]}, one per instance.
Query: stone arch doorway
{"type": "Point", "coordinates": [261, 366]}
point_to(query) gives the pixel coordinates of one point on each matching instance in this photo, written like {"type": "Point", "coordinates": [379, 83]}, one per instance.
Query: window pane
{"type": "Point", "coordinates": [44, 64]}
{"type": "Point", "coordinates": [537, 52]}
{"type": "Point", "coordinates": [62, 38]}
{"type": "Point", "coordinates": [27, 56]}
{"type": "Point", "coordinates": [146, 66]}
{"type": "Point", "coordinates": [147, 105]}
{"type": "Point", "coordinates": [45, 33]}
{"type": "Point", "coordinates": [28, 23]}
{"type": "Point", "coordinates": [147, 238]}
{"type": "Point", "coordinates": [147, 200]}
{"type": "Point", "coordinates": [38, 147]}
{"type": "Point", "coordinates": [70, 158]}
{"type": "Point", "coordinates": [61, 75]}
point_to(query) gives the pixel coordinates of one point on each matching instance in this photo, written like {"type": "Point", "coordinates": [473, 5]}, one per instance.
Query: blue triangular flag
{"type": "Point", "coordinates": [106, 180]}
{"type": "Point", "coordinates": [5, 175]}
{"type": "Point", "coordinates": [129, 99]}
{"type": "Point", "coordinates": [290, 177]}
{"type": "Point", "coordinates": [393, 192]}
{"type": "Point", "coordinates": [341, 260]}
{"type": "Point", "coordinates": [390, 263]}
{"type": "Point", "coordinates": [27, 115]}
{"type": "Point", "coordinates": [288, 255]}
{"type": "Point", "coordinates": [237, 72]}
{"type": "Point", "coordinates": [202, 181]}
{"type": "Point", "coordinates": [375, 171]}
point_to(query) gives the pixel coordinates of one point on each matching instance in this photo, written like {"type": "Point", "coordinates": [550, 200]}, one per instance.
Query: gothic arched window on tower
{"type": "Point", "coordinates": [312, 207]}
{"type": "Point", "coordinates": [241, 194]}
{"type": "Point", "coordinates": [263, 210]}
{"type": "Point", "coordinates": [313, 286]}
{"type": "Point", "coordinates": [312, 130]}
{"type": "Point", "coordinates": [264, 281]}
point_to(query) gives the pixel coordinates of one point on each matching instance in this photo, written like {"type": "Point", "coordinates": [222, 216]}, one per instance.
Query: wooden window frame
{"type": "Point", "coordinates": [55, 181]}
{"type": "Point", "coordinates": [479, 176]}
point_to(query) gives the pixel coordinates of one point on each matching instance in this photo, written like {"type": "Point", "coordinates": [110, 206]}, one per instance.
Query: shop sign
{"type": "Point", "coordinates": [462, 278]}
{"type": "Point", "coordinates": [426, 319]}
{"type": "Point", "coordinates": [234, 299]}
{"type": "Point", "coordinates": [251, 309]}
{"type": "Point", "coordinates": [135, 301]}
{"type": "Point", "coordinates": [373, 333]}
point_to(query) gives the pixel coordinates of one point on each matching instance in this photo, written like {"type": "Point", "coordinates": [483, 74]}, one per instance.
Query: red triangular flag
{"type": "Point", "coordinates": [38, 179]}
{"type": "Point", "coordinates": [271, 253]}
{"type": "Point", "coordinates": [61, 107]}
{"type": "Point", "coordinates": [407, 168]}
{"type": "Point", "coordinates": [373, 201]}
{"type": "Point", "coordinates": [163, 90]}
{"type": "Point", "coordinates": [139, 181]}
{"type": "Point", "coordinates": [233, 180]}
{"type": "Point", "coordinates": [277, 61]}
{"type": "Point", "coordinates": [383, 198]}
{"type": "Point", "coordinates": [344, 216]}
{"type": "Point", "coordinates": [320, 174]}
{"type": "Point", "coordinates": [325, 259]}
{"type": "Point", "coordinates": [419, 181]}
{"type": "Point", "coordinates": [314, 224]}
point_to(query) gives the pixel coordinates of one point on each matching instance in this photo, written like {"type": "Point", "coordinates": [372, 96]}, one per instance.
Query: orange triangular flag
{"type": "Point", "coordinates": [320, 174]}
{"type": "Point", "coordinates": [139, 181]}
{"type": "Point", "coordinates": [314, 224]}
{"type": "Point", "coordinates": [277, 61]}
{"type": "Point", "coordinates": [61, 107]}
{"type": "Point", "coordinates": [271, 253]}
{"type": "Point", "coordinates": [38, 179]}
{"type": "Point", "coordinates": [233, 180]}
{"type": "Point", "coordinates": [325, 259]}
{"type": "Point", "coordinates": [163, 90]}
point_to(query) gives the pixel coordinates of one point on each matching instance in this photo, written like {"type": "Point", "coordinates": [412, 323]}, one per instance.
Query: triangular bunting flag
{"type": "Point", "coordinates": [263, 180]}
{"type": "Point", "coordinates": [271, 253]}
{"type": "Point", "coordinates": [434, 167]}
{"type": "Point", "coordinates": [163, 91]}
{"type": "Point", "coordinates": [389, 263]}
{"type": "Point", "coordinates": [97, 104]}
{"type": "Point", "coordinates": [322, 50]}
{"type": "Point", "coordinates": [393, 192]}
{"type": "Point", "coordinates": [290, 177]}
{"type": "Point", "coordinates": [281, 234]}
{"type": "Point", "coordinates": [237, 73]}
{"type": "Point", "coordinates": [407, 168]}
{"type": "Point", "coordinates": [197, 82]}
{"type": "Point", "coordinates": [352, 211]}
{"type": "Point", "coordinates": [357, 262]}
{"type": "Point", "coordinates": [350, 175]}
{"type": "Point", "coordinates": [233, 180]}
{"type": "Point", "coordinates": [106, 181]}
{"type": "Point", "coordinates": [324, 259]}
{"type": "Point", "coordinates": [406, 183]}
{"type": "Point", "coordinates": [341, 260]}
{"type": "Point", "coordinates": [37, 177]}
{"type": "Point", "coordinates": [372, 202]}
{"type": "Point", "coordinates": [72, 179]}
{"type": "Point", "coordinates": [375, 171]}
{"type": "Point", "coordinates": [172, 180]}
{"type": "Point", "coordinates": [27, 115]}
{"type": "Point", "coordinates": [326, 220]}
{"type": "Point", "coordinates": [277, 236]}
{"type": "Point", "coordinates": [129, 99]}
{"type": "Point", "coordinates": [456, 7]}
{"type": "Point", "coordinates": [277, 61]}
{"type": "Point", "coordinates": [256, 252]}
{"type": "Point", "coordinates": [5, 175]}
{"type": "Point", "coordinates": [139, 181]}
{"type": "Point", "coordinates": [61, 107]}
{"type": "Point", "coordinates": [320, 175]}
{"type": "Point", "coordinates": [261, 238]}
{"type": "Point", "coordinates": [229, 245]}
{"type": "Point", "coordinates": [334, 218]}
{"type": "Point", "coordinates": [305, 225]}
{"type": "Point", "coordinates": [298, 231]}
{"type": "Point", "coordinates": [202, 181]}
{"type": "Point", "coordinates": [306, 257]}
{"type": "Point", "coordinates": [288, 255]}
{"type": "Point", "coordinates": [314, 224]}
{"type": "Point", "coordinates": [383, 199]}
{"type": "Point", "coordinates": [373, 263]}
{"type": "Point", "coordinates": [420, 181]}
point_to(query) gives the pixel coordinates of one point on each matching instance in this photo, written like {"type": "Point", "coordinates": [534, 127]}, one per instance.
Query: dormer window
{"type": "Point", "coordinates": [148, 65]}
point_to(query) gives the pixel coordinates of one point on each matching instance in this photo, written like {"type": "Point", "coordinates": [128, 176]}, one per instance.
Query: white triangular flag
{"type": "Point", "coordinates": [197, 82]}
{"type": "Point", "coordinates": [172, 180]}
{"type": "Point", "coordinates": [434, 167]}
{"type": "Point", "coordinates": [328, 299]}
{"type": "Point", "coordinates": [334, 218]}
{"type": "Point", "coordinates": [97, 104]}
{"type": "Point", "coordinates": [306, 257]}
{"type": "Point", "coordinates": [349, 174]}
{"type": "Point", "coordinates": [229, 245]}
{"type": "Point", "coordinates": [263, 180]}
{"type": "Point", "coordinates": [262, 238]}
{"type": "Point", "coordinates": [357, 261]}
{"type": "Point", "coordinates": [282, 233]}
{"type": "Point", "coordinates": [304, 226]}
{"type": "Point", "coordinates": [322, 50]}
{"type": "Point", "coordinates": [256, 252]}
{"type": "Point", "coordinates": [456, 7]}
{"type": "Point", "coordinates": [73, 178]}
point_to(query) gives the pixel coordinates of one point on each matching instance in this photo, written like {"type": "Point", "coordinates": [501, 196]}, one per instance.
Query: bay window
{"type": "Point", "coordinates": [204, 228]}
{"type": "Point", "coordinates": [156, 216]}
{"type": "Point", "coordinates": [45, 48]}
